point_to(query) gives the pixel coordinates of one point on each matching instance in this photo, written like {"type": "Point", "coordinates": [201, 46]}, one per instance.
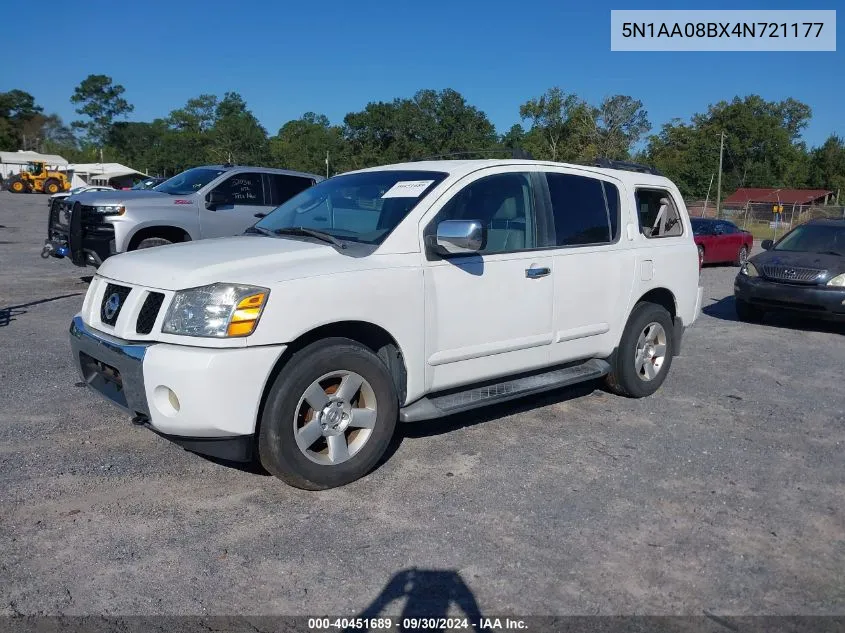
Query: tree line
{"type": "Point", "coordinates": [763, 144]}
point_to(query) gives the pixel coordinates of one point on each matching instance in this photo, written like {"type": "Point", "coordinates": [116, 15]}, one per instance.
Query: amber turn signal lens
{"type": "Point", "coordinates": [246, 315]}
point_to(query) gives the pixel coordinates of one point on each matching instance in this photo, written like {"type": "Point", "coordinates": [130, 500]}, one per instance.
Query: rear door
{"type": "Point", "coordinates": [245, 196]}
{"type": "Point", "coordinates": [283, 187]}
{"type": "Point", "coordinates": [593, 269]}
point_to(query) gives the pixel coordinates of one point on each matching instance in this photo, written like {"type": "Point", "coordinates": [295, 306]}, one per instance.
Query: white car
{"type": "Point", "coordinates": [399, 293]}
{"type": "Point", "coordinates": [84, 189]}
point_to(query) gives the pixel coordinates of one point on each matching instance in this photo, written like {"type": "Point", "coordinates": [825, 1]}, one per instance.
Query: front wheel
{"type": "Point", "coordinates": [152, 242]}
{"type": "Point", "coordinates": [645, 351]}
{"type": "Point", "coordinates": [52, 186]}
{"type": "Point", "coordinates": [17, 187]}
{"type": "Point", "coordinates": [742, 255]}
{"type": "Point", "coordinates": [329, 416]}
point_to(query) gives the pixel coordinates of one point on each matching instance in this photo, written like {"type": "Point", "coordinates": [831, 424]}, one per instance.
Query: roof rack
{"type": "Point", "coordinates": [515, 152]}
{"type": "Point", "coordinates": [626, 166]}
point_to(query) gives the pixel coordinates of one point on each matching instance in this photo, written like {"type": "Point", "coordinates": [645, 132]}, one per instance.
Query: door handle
{"type": "Point", "coordinates": [536, 273]}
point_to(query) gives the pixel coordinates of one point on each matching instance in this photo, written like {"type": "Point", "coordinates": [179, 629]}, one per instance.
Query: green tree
{"type": "Point", "coordinates": [18, 110]}
{"type": "Point", "coordinates": [430, 123]}
{"type": "Point", "coordinates": [828, 166]}
{"type": "Point", "coordinates": [198, 114]}
{"type": "Point", "coordinates": [237, 136]}
{"type": "Point", "coordinates": [554, 118]}
{"type": "Point", "coordinates": [101, 101]}
{"type": "Point", "coordinates": [302, 144]}
{"type": "Point", "coordinates": [612, 129]}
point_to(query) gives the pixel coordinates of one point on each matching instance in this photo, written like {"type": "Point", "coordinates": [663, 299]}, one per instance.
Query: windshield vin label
{"type": "Point", "coordinates": [407, 189]}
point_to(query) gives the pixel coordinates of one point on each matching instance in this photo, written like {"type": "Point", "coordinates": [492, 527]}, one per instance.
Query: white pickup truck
{"type": "Point", "coordinates": [399, 293]}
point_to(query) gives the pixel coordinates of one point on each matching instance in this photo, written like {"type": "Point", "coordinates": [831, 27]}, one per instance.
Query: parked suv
{"type": "Point", "coordinates": [209, 201]}
{"type": "Point", "coordinates": [399, 293]}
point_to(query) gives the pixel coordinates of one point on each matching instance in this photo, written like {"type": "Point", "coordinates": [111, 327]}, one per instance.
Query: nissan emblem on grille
{"type": "Point", "coordinates": [112, 305]}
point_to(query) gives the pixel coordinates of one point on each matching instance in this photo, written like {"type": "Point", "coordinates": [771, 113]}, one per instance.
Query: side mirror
{"type": "Point", "coordinates": [767, 244]}
{"type": "Point", "coordinates": [459, 237]}
{"type": "Point", "coordinates": [216, 199]}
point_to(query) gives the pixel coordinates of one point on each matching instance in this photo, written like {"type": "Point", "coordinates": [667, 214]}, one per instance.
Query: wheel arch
{"type": "Point", "coordinates": [662, 297]}
{"type": "Point", "coordinates": [168, 232]}
{"type": "Point", "coordinates": [372, 336]}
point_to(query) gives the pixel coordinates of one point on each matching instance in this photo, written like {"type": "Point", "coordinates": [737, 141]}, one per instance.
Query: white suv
{"type": "Point", "coordinates": [399, 293]}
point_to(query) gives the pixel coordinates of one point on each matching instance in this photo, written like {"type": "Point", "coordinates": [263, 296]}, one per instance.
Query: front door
{"type": "Point", "coordinates": [489, 314]}
{"type": "Point", "coordinates": [244, 196]}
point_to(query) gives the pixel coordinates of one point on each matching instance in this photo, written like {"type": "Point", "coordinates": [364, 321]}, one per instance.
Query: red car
{"type": "Point", "coordinates": [721, 241]}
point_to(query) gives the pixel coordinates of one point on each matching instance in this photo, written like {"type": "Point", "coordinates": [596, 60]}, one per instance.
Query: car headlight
{"type": "Point", "coordinates": [109, 209]}
{"type": "Point", "coordinates": [219, 310]}
{"type": "Point", "coordinates": [749, 269]}
{"type": "Point", "coordinates": [838, 281]}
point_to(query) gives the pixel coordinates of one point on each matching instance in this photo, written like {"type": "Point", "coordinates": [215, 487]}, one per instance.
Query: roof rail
{"type": "Point", "coordinates": [515, 152]}
{"type": "Point", "coordinates": [625, 165]}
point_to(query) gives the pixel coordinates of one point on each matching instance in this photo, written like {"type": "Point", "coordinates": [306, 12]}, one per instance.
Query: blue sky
{"type": "Point", "coordinates": [332, 57]}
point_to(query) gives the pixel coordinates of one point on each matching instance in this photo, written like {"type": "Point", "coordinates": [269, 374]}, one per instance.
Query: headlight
{"type": "Point", "coordinates": [109, 209]}
{"type": "Point", "coordinates": [749, 270]}
{"type": "Point", "coordinates": [219, 310]}
{"type": "Point", "coordinates": [838, 281]}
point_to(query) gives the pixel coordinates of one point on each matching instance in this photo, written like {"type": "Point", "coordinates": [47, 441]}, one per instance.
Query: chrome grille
{"type": "Point", "coordinates": [791, 274]}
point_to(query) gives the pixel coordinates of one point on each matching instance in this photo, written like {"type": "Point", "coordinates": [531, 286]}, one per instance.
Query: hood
{"type": "Point", "coordinates": [248, 259]}
{"type": "Point", "coordinates": [835, 264]}
{"type": "Point", "coordinates": [121, 197]}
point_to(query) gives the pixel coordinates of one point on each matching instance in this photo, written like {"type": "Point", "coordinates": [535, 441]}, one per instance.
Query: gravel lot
{"type": "Point", "coordinates": [724, 492]}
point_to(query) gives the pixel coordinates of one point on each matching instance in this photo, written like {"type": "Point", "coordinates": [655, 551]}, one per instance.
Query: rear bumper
{"type": "Point", "coordinates": [813, 301]}
{"type": "Point", "coordinates": [205, 399]}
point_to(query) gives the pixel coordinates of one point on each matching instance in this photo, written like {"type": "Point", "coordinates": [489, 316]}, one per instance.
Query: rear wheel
{"type": "Point", "coordinates": [700, 255]}
{"type": "Point", "coordinates": [17, 186]}
{"type": "Point", "coordinates": [329, 415]}
{"type": "Point", "coordinates": [749, 313]}
{"type": "Point", "coordinates": [52, 186]}
{"type": "Point", "coordinates": [152, 242]}
{"type": "Point", "coordinates": [742, 255]}
{"type": "Point", "coordinates": [644, 356]}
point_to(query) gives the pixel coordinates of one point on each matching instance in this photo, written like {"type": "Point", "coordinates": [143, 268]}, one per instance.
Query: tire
{"type": "Point", "coordinates": [742, 255]}
{"type": "Point", "coordinates": [749, 313]}
{"type": "Point", "coordinates": [631, 379]}
{"type": "Point", "coordinates": [700, 256]}
{"type": "Point", "coordinates": [51, 186]}
{"type": "Point", "coordinates": [17, 186]}
{"type": "Point", "coordinates": [287, 413]}
{"type": "Point", "coordinates": [152, 242]}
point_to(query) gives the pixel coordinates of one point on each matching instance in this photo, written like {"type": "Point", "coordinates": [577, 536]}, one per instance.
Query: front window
{"type": "Point", "coordinates": [189, 181]}
{"type": "Point", "coordinates": [34, 168]}
{"type": "Point", "coordinates": [814, 238]}
{"type": "Point", "coordinates": [363, 207]}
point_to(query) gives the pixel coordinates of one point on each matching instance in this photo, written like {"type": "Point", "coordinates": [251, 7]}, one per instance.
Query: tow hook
{"type": "Point", "coordinates": [46, 251]}
{"type": "Point", "coordinates": [51, 250]}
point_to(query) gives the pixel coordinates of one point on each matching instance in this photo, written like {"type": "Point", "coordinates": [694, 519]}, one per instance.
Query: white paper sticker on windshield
{"type": "Point", "coordinates": [407, 189]}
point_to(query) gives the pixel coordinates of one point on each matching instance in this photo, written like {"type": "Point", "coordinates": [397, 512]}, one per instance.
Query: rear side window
{"type": "Point", "coordinates": [283, 188]}
{"type": "Point", "coordinates": [243, 189]}
{"type": "Point", "coordinates": [658, 214]}
{"type": "Point", "coordinates": [585, 210]}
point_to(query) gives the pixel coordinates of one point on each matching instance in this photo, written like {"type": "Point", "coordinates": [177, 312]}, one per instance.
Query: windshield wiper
{"type": "Point", "coordinates": [830, 253]}
{"type": "Point", "coordinates": [301, 230]}
{"type": "Point", "coordinates": [255, 230]}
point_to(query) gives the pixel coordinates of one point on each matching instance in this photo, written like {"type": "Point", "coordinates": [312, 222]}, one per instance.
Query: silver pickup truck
{"type": "Point", "coordinates": [203, 202]}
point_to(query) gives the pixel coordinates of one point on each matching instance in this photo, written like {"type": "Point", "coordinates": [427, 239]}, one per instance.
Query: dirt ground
{"type": "Point", "coordinates": [724, 492]}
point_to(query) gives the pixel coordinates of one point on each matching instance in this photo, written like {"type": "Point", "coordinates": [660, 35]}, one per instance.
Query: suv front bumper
{"type": "Point", "coordinates": [204, 399]}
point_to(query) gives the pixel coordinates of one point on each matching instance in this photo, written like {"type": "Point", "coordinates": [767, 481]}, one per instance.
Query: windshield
{"type": "Point", "coordinates": [363, 207]}
{"type": "Point", "coordinates": [144, 184]}
{"type": "Point", "coordinates": [814, 238]}
{"type": "Point", "coordinates": [189, 182]}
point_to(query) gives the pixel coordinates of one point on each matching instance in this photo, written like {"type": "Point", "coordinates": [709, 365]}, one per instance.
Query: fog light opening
{"type": "Point", "coordinates": [166, 400]}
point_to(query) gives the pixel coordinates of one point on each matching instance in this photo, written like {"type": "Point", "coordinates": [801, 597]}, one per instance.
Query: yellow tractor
{"type": "Point", "coordinates": [37, 178]}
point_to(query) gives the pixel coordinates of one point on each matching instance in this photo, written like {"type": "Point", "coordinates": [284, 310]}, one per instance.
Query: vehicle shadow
{"type": "Point", "coordinates": [8, 314]}
{"type": "Point", "coordinates": [428, 593]}
{"type": "Point", "coordinates": [725, 309]}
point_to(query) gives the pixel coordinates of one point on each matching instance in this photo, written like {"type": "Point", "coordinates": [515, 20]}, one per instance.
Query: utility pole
{"type": "Point", "coordinates": [719, 181]}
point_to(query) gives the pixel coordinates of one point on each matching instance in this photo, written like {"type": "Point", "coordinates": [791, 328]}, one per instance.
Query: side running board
{"type": "Point", "coordinates": [447, 403]}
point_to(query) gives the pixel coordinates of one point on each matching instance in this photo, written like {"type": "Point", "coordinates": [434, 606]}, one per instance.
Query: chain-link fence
{"type": "Point", "coordinates": [760, 218]}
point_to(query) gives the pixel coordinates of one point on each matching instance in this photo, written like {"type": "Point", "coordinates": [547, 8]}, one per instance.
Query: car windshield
{"type": "Point", "coordinates": [701, 227]}
{"type": "Point", "coordinates": [189, 181]}
{"type": "Point", "coordinates": [363, 207]}
{"type": "Point", "coordinates": [814, 238]}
